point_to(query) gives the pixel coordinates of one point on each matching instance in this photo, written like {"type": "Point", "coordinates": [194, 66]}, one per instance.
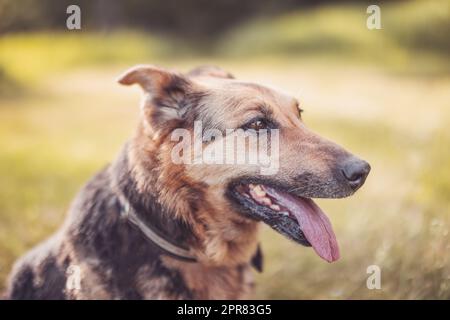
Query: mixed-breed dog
{"type": "Point", "coordinates": [145, 227]}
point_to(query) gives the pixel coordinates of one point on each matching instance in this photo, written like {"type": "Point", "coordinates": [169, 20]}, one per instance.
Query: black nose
{"type": "Point", "coordinates": [355, 171]}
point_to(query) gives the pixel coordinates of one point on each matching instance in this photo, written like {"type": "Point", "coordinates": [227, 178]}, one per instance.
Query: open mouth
{"type": "Point", "coordinates": [297, 218]}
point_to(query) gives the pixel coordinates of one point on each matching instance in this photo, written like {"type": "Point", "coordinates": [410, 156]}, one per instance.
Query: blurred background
{"type": "Point", "coordinates": [383, 94]}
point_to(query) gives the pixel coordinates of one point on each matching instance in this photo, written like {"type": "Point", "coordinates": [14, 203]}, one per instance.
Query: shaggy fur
{"type": "Point", "coordinates": [188, 203]}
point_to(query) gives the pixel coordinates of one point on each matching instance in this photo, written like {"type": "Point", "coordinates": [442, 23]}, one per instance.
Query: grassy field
{"type": "Point", "coordinates": [63, 117]}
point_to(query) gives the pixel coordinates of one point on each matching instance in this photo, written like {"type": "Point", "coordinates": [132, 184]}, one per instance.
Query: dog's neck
{"type": "Point", "coordinates": [146, 206]}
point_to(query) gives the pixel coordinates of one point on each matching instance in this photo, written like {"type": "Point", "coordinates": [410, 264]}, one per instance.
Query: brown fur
{"type": "Point", "coordinates": [187, 202]}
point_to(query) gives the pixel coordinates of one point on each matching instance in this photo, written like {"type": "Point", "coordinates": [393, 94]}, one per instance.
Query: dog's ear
{"type": "Point", "coordinates": [153, 79]}
{"type": "Point", "coordinates": [210, 71]}
{"type": "Point", "coordinates": [166, 93]}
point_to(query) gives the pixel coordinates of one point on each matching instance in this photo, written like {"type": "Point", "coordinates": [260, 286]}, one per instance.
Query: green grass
{"type": "Point", "coordinates": [414, 36]}
{"type": "Point", "coordinates": [26, 58]}
{"type": "Point", "coordinates": [414, 40]}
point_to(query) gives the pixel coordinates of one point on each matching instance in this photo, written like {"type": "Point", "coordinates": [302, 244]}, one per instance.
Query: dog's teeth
{"type": "Point", "coordinates": [266, 201]}
{"type": "Point", "coordinates": [275, 207]}
{"type": "Point", "coordinates": [259, 191]}
{"type": "Point", "coordinates": [284, 213]}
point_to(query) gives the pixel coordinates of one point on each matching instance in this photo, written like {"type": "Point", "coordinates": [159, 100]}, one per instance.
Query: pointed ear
{"type": "Point", "coordinates": [210, 71]}
{"type": "Point", "coordinates": [152, 79]}
{"type": "Point", "coordinates": [166, 93]}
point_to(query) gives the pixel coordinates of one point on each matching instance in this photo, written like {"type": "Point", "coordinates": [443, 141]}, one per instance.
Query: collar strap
{"type": "Point", "coordinates": [128, 213]}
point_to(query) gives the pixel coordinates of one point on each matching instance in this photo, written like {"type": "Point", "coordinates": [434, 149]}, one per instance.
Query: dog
{"type": "Point", "coordinates": [145, 227]}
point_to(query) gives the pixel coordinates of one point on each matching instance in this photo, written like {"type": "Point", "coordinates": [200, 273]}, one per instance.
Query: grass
{"type": "Point", "coordinates": [413, 40]}
{"type": "Point", "coordinates": [26, 58]}
{"type": "Point", "coordinates": [413, 36]}
{"type": "Point", "coordinates": [367, 90]}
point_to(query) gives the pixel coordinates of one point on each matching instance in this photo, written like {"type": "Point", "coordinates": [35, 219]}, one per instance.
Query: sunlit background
{"type": "Point", "coordinates": [383, 94]}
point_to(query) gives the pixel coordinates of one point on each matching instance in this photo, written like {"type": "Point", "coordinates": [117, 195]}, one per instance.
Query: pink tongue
{"type": "Point", "coordinates": [314, 223]}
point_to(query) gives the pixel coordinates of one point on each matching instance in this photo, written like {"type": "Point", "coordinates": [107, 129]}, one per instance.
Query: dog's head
{"type": "Point", "coordinates": [228, 153]}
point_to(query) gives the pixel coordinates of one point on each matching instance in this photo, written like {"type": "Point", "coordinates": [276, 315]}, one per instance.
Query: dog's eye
{"type": "Point", "coordinates": [257, 125]}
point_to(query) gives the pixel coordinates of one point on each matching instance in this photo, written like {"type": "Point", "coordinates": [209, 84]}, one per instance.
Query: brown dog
{"type": "Point", "coordinates": [149, 227]}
